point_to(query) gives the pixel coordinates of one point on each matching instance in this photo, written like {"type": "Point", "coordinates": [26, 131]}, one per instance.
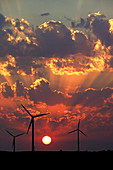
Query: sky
{"type": "Point", "coordinates": [57, 57]}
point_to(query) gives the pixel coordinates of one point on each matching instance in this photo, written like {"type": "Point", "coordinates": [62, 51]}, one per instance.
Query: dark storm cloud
{"type": "Point", "coordinates": [43, 93]}
{"type": "Point", "coordinates": [2, 21]}
{"type": "Point", "coordinates": [4, 44]}
{"type": "Point", "coordinates": [100, 26]}
{"type": "Point", "coordinates": [82, 44]}
{"type": "Point", "coordinates": [20, 90]}
{"type": "Point", "coordinates": [101, 30]}
{"type": "Point", "coordinates": [24, 56]}
{"type": "Point", "coordinates": [6, 90]}
{"type": "Point", "coordinates": [53, 40]}
{"type": "Point", "coordinates": [90, 97]}
{"type": "Point", "coordinates": [95, 105]}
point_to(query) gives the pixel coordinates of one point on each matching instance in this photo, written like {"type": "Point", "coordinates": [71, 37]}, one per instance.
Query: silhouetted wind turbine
{"type": "Point", "coordinates": [78, 130]}
{"type": "Point", "coordinates": [32, 122]}
{"type": "Point", "coordinates": [14, 136]}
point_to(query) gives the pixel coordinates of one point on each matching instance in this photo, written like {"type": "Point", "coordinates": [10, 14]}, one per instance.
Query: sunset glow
{"type": "Point", "coordinates": [59, 62]}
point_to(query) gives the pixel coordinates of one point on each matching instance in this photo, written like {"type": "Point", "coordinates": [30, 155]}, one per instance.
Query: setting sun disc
{"type": "Point", "coordinates": [46, 140]}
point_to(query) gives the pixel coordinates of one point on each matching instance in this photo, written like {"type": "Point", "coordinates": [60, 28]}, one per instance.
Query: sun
{"type": "Point", "coordinates": [46, 140]}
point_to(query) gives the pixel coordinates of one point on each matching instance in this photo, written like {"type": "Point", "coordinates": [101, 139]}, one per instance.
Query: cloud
{"type": "Point", "coordinates": [91, 97]}
{"type": "Point", "coordinates": [54, 47]}
{"type": "Point", "coordinates": [82, 44]}
{"type": "Point", "coordinates": [76, 64]}
{"type": "Point", "coordinates": [43, 93]}
{"type": "Point", "coordinates": [101, 30]}
{"type": "Point", "coordinates": [40, 91]}
{"type": "Point", "coordinates": [59, 40]}
{"type": "Point", "coordinates": [2, 21]}
{"type": "Point", "coordinates": [76, 51]}
{"type": "Point", "coordinates": [4, 45]}
{"type": "Point", "coordinates": [51, 39]}
{"type": "Point", "coordinates": [6, 90]}
{"type": "Point", "coordinates": [20, 90]}
{"type": "Point", "coordinates": [35, 63]}
{"type": "Point", "coordinates": [93, 107]}
{"type": "Point", "coordinates": [91, 50]}
{"type": "Point", "coordinates": [54, 38]}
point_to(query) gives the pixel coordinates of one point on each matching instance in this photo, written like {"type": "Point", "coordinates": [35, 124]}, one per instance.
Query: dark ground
{"type": "Point", "coordinates": [69, 152]}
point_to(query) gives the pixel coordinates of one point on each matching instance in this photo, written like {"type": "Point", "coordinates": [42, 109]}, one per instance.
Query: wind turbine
{"type": "Point", "coordinates": [78, 130]}
{"type": "Point", "coordinates": [32, 122]}
{"type": "Point", "coordinates": [14, 136]}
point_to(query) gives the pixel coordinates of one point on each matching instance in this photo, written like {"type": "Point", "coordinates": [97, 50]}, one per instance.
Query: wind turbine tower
{"type": "Point", "coordinates": [32, 122]}
{"type": "Point", "coordinates": [14, 137]}
{"type": "Point", "coordinates": [78, 130]}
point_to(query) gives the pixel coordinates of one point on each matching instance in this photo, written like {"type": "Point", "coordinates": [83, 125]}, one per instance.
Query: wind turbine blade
{"type": "Point", "coordinates": [41, 115]}
{"type": "Point", "coordinates": [72, 131]}
{"type": "Point", "coordinates": [20, 134]}
{"type": "Point", "coordinates": [10, 133]}
{"type": "Point", "coordinates": [78, 123]}
{"type": "Point", "coordinates": [82, 133]}
{"type": "Point", "coordinates": [30, 125]}
{"type": "Point", "coordinates": [26, 110]}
